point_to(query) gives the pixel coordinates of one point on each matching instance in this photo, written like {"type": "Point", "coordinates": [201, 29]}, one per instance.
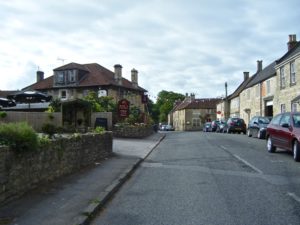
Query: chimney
{"type": "Point", "coordinates": [118, 73]}
{"type": "Point", "coordinates": [226, 90]}
{"type": "Point", "coordinates": [192, 97]}
{"type": "Point", "coordinates": [134, 77]}
{"type": "Point", "coordinates": [259, 65]}
{"type": "Point", "coordinates": [292, 41]}
{"type": "Point", "coordinates": [39, 76]}
{"type": "Point", "coordinates": [246, 75]}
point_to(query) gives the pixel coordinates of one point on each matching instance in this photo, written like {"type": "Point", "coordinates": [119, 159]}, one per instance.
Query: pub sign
{"type": "Point", "coordinates": [123, 108]}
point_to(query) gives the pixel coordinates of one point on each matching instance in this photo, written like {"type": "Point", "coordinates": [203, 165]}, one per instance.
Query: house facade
{"type": "Point", "coordinates": [287, 95]}
{"type": "Point", "coordinates": [75, 81]}
{"type": "Point", "coordinates": [192, 113]}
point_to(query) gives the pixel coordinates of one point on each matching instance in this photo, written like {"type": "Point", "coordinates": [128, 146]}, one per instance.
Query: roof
{"type": "Point", "coordinates": [242, 86]}
{"type": "Point", "coordinates": [295, 50]}
{"type": "Point", "coordinates": [266, 73]}
{"type": "Point", "coordinates": [4, 94]}
{"type": "Point", "coordinates": [203, 103]}
{"type": "Point", "coordinates": [96, 75]}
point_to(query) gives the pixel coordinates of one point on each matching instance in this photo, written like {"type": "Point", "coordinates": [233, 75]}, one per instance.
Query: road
{"type": "Point", "coordinates": [209, 178]}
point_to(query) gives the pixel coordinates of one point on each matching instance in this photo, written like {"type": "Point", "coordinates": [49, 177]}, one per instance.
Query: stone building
{"type": "Point", "coordinates": [75, 81]}
{"type": "Point", "coordinates": [257, 97]}
{"type": "Point", "coordinates": [192, 113]}
{"type": "Point", "coordinates": [287, 95]}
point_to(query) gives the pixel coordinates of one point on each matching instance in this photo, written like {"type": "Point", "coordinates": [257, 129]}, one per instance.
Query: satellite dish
{"type": "Point", "coordinates": [102, 93]}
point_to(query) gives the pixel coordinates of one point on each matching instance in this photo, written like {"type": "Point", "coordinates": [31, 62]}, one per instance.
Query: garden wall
{"type": "Point", "coordinates": [133, 131]}
{"type": "Point", "coordinates": [22, 172]}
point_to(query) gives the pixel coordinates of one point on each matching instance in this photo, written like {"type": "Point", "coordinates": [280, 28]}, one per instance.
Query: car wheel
{"type": "Point", "coordinates": [296, 151]}
{"type": "Point", "coordinates": [259, 134]}
{"type": "Point", "coordinates": [271, 148]}
{"type": "Point", "coordinates": [249, 133]}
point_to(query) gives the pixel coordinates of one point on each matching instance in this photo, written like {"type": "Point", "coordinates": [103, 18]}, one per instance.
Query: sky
{"type": "Point", "coordinates": [184, 46]}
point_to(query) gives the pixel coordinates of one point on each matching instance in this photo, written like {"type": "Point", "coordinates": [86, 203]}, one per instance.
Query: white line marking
{"type": "Point", "coordinates": [223, 147]}
{"type": "Point", "coordinates": [248, 164]}
{"type": "Point", "coordinates": [294, 196]}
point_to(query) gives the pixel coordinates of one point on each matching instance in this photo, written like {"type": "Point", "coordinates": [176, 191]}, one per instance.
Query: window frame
{"type": "Point", "coordinates": [282, 78]}
{"type": "Point", "coordinates": [292, 73]}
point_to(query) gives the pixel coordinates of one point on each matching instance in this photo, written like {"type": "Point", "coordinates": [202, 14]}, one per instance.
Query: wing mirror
{"type": "Point", "coordinates": [285, 125]}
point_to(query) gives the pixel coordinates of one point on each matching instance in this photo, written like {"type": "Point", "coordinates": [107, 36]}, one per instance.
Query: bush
{"type": "Point", "coordinates": [49, 129]}
{"type": "Point", "coordinates": [99, 130]}
{"type": "Point", "coordinates": [3, 114]}
{"type": "Point", "coordinates": [19, 137]}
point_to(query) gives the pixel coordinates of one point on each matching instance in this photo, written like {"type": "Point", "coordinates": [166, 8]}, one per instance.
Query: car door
{"type": "Point", "coordinates": [284, 131]}
{"type": "Point", "coordinates": [273, 129]}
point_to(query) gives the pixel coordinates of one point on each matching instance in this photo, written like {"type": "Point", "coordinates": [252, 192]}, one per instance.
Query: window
{"type": "Point", "coordinates": [285, 119]}
{"type": "Point", "coordinates": [196, 122]}
{"type": "Point", "coordinates": [257, 91]}
{"type": "Point", "coordinates": [282, 107]}
{"type": "Point", "coordinates": [63, 94]}
{"type": "Point", "coordinates": [60, 77]}
{"type": "Point", "coordinates": [282, 78]}
{"type": "Point", "coordinates": [248, 94]}
{"type": "Point", "coordinates": [276, 119]}
{"type": "Point", "coordinates": [268, 87]}
{"type": "Point", "coordinates": [72, 75]}
{"type": "Point", "coordinates": [292, 73]}
{"type": "Point", "coordinates": [294, 107]}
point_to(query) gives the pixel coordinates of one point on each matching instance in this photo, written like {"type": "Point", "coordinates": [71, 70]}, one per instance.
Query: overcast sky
{"type": "Point", "coordinates": [183, 46]}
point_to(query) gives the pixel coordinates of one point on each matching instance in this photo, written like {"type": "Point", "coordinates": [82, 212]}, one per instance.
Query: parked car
{"type": "Point", "coordinates": [220, 126]}
{"type": "Point", "coordinates": [214, 125]}
{"type": "Point", "coordinates": [207, 127]}
{"type": "Point", "coordinates": [169, 128]}
{"type": "Point", "coordinates": [162, 127]}
{"type": "Point", "coordinates": [257, 127]}
{"type": "Point", "coordinates": [284, 132]}
{"type": "Point", "coordinates": [235, 125]}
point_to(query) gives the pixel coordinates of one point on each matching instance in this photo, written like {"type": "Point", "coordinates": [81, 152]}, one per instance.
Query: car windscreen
{"type": "Point", "coordinates": [264, 120]}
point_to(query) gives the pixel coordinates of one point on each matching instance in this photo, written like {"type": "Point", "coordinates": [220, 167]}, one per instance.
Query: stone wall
{"type": "Point", "coordinates": [132, 131]}
{"type": "Point", "coordinates": [22, 172]}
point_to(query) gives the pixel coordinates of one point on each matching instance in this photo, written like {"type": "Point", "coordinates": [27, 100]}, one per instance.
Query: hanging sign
{"type": "Point", "coordinates": [123, 108]}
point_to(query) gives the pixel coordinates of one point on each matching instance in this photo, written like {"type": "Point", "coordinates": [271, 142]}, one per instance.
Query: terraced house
{"type": "Point", "coordinates": [257, 97]}
{"type": "Point", "coordinates": [287, 96]}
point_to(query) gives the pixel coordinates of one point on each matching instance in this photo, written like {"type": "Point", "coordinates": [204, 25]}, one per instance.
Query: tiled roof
{"type": "Point", "coordinates": [203, 103]}
{"type": "Point", "coordinates": [266, 73]}
{"type": "Point", "coordinates": [96, 75]}
{"type": "Point", "coordinates": [295, 50]}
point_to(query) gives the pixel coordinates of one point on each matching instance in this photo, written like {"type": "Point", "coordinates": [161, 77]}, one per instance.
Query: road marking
{"type": "Point", "coordinates": [294, 196]}
{"type": "Point", "coordinates": [248, 164]}
{"type": "Point", "coordinates": [223, 147]}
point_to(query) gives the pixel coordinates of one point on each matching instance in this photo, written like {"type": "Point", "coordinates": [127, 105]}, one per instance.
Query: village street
{"type": "Point", "coordinates": [209, 178]}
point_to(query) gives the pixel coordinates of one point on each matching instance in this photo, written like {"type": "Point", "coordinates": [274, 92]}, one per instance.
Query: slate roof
{"type": "Point", "coordinates": [295, 50]}
{"type": "Point", "coordinates": [242, 86]}
{"type": "Point", "coordinates": [266, 73]}
{"type": "Point", "coordinates": [96, 75]}
{"type": "Point", "coordinates": [203, 103]}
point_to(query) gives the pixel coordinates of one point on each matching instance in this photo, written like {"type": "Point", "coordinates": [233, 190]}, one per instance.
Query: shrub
{"type": "Point", "coordinates": [49, 129]}
{"type": "Point", "coordinates": [19, 137]}
{"type": "Point", "coordinates": [99, 130]}
{"type": "Point", "coordinates": [3, 115]}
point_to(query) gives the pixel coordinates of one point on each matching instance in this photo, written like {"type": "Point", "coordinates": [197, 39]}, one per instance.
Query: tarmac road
{"type": "Point", "coordinates": [209, 178]}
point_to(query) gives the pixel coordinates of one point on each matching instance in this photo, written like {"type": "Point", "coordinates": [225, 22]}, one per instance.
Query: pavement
{"type": "Point", "coordinates": [75, 199]}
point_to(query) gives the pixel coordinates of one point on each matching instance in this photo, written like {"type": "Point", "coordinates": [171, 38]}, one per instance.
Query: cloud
{"type": "Point", "coordinates": [181, 46]}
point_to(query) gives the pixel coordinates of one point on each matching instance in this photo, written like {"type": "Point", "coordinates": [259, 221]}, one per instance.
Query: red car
{"type": "Point", "coordinates": [284, 132]}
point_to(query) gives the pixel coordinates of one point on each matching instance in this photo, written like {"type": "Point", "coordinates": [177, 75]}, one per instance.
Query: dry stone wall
{"type": "Point", "coordinates": [22, 172]}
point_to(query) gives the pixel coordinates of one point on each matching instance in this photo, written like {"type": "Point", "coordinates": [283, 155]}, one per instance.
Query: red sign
{"type": "Point", "coordinates": [123, 108]}
{"type": "Point", "coordinates": [219, 112]}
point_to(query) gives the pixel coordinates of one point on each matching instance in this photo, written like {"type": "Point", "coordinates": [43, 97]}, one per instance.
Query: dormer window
{"type": "Point", "coordinates": [72, 76]}
{"type": "Point", "coordinates": [60, 77]}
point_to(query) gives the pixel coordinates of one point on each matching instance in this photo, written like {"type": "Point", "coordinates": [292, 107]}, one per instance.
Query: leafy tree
{"type": "Point", "coordinates": [153, 110]}
{"type": "Point", "coordinates": [165, 103]}
{"type": "Point", "coordinates": [101, 104]}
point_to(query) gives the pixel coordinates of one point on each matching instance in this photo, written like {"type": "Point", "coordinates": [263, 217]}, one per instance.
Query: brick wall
{"type": "Point", "coordinates": [22, 172]}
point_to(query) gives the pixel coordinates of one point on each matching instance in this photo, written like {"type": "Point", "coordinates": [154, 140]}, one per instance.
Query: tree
{"type": "Point", "coordinates": [165, 103]}
{"type": "Point", "coordinates": [101, 104]}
